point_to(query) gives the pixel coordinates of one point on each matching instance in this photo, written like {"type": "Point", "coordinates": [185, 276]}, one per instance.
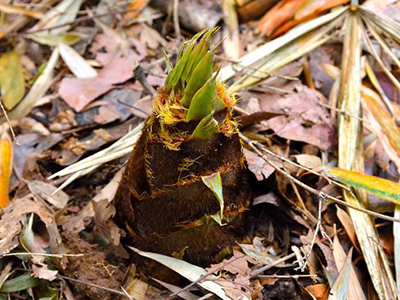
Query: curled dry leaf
{"type": "Point", "coordinates": [103, 213]}
{"type": "Point", "coordinates": [43, 272]}
{"type": "Point", "coordinates": [237, 264]}
{"type": "Point", "coordinates": [309, 161]}
{"type": "Point", "coordinates": [258, 252]}
{"type": "Point", "coordinates": [257, 165]}
{"type": "Point", "coordinates": [45, 191]}
{"type": "Point", "coordinates": [10, 223]}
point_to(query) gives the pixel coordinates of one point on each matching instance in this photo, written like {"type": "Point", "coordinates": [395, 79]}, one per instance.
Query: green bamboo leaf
{"type": "Point", "coordinates": [205, 101]}
{"type": "Point", "coordinates": [19, 283]}
{"type": "Point", "coordinates": [206, 128]}
{"type": "Point", "coordinates": [11, 79]}
{"type": "Point", "coordinates": [214, 183]}
{"type": "Point", "coordinates": [201, 74]}
{"type": "Point", "coordinates": [381, 187]}
{"type": "Point", "coordinates": [198, 53]}
{"type": "Point", "coordinates": [173, 78]}
{"type": "Point", "coordinates": [183, 58]}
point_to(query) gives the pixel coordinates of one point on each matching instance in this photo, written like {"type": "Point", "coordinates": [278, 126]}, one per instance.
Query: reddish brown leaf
{"type": "Point", "coordinates": [278, 15]}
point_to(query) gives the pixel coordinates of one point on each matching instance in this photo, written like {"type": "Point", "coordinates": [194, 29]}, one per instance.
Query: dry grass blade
{"type": "Point", "coordinates": [372, 50]}
{"type": "Point", "coordinates": [351, 158]}
{"type": "Point", "coordinates": [382, 42]}
{"type": "Point", "coordinates": [396, 233]}
{"type": "Point", "coordinates": [64, 12]}
{"type": "Point", "coordinates": [375, 106]}
{"type": "Point", "coordinates": [388, 25]}
{"type": "Point", "coordinates": [375, 82]}
{"type": "Point", "coordinates": [390, 139]}
{"type": "Point", "coordinates": [286, 54]}
{"type": "Point", "coordinates": [261, 52]}
{"type": "Point", "coordinates": [20, 9]}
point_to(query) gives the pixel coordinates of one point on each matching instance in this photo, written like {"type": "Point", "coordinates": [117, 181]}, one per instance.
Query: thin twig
{"type": "Point", "coordinates": [77, 20]}
{"type": "Point", "coordinates": [176, 20]}
{"type": "Point", "coordinates": [318, 229]}
{"type": "Point", "coordinates": [257, 272]}
{"type": "Point", "coordinates": [255, 146]}
{"type": "Point", "coordinates": [330, 180]}
{"type": "Point", "coordinates": [288, 276]}
{"type": "Point", "coordinates": [42, 254]}
{"type": "Point", "coordinates": [93, 285]}
{"type": "Point", "coordinates": [9, 124]}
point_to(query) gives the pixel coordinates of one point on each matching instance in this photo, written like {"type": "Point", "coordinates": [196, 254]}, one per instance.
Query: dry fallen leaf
{"type": "Point", "coordinates": [10, 223]}
{"type": "Point", "coordinates": [43, 272]}
{"type": "Point", "coordinates": [11, 79]}
{"type": "Point", "coordinates": [79, 92]}
{"type": "Point", "coordinates": [45, 191]}
{"type": "Point", "coordinates": [257, 165]}
{"type": "Point", "coordinates": [304, 118]}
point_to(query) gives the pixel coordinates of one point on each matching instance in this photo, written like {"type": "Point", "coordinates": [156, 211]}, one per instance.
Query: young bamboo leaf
{"type": "Point", "coordinates": [183, 58]}
{"type": "Point", "coordinates": [201, 73]}
{"type": "Point", "coordinates": [197, 54]}
{"type": "Point", "coordinates": [205, 101]}
{"type": "Point", "coordinates": [381, 187]}
{"type": "Point", "coordinates": [214, 183]}
{"type": "Point", "coordinates": [205, 129]}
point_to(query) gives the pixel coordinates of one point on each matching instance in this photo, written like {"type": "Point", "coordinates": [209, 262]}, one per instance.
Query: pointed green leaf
{"type": "Point", "coordinates": [197, 54]}
{"type": "Point", "coordinates": [214, 183]}
{"type": "Point", "coordinates": [206, 128]}
{"type": "Point", "coordinates": [205, 101]}
{"type": "Point", "coordinates": [11, 79]}
{"type": "Point", "coordinates": [201, 74]}
{"type": "Point", "coordinates": [218, 220]}
{"type": "Point", "coordinates": [20, 283]}
{"type": "Point", "coordinates": [27, 234]}
{"type": "Point", "coordinates": [183, 58]}
{"type": "Point", "coordinates": [189, 271]}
